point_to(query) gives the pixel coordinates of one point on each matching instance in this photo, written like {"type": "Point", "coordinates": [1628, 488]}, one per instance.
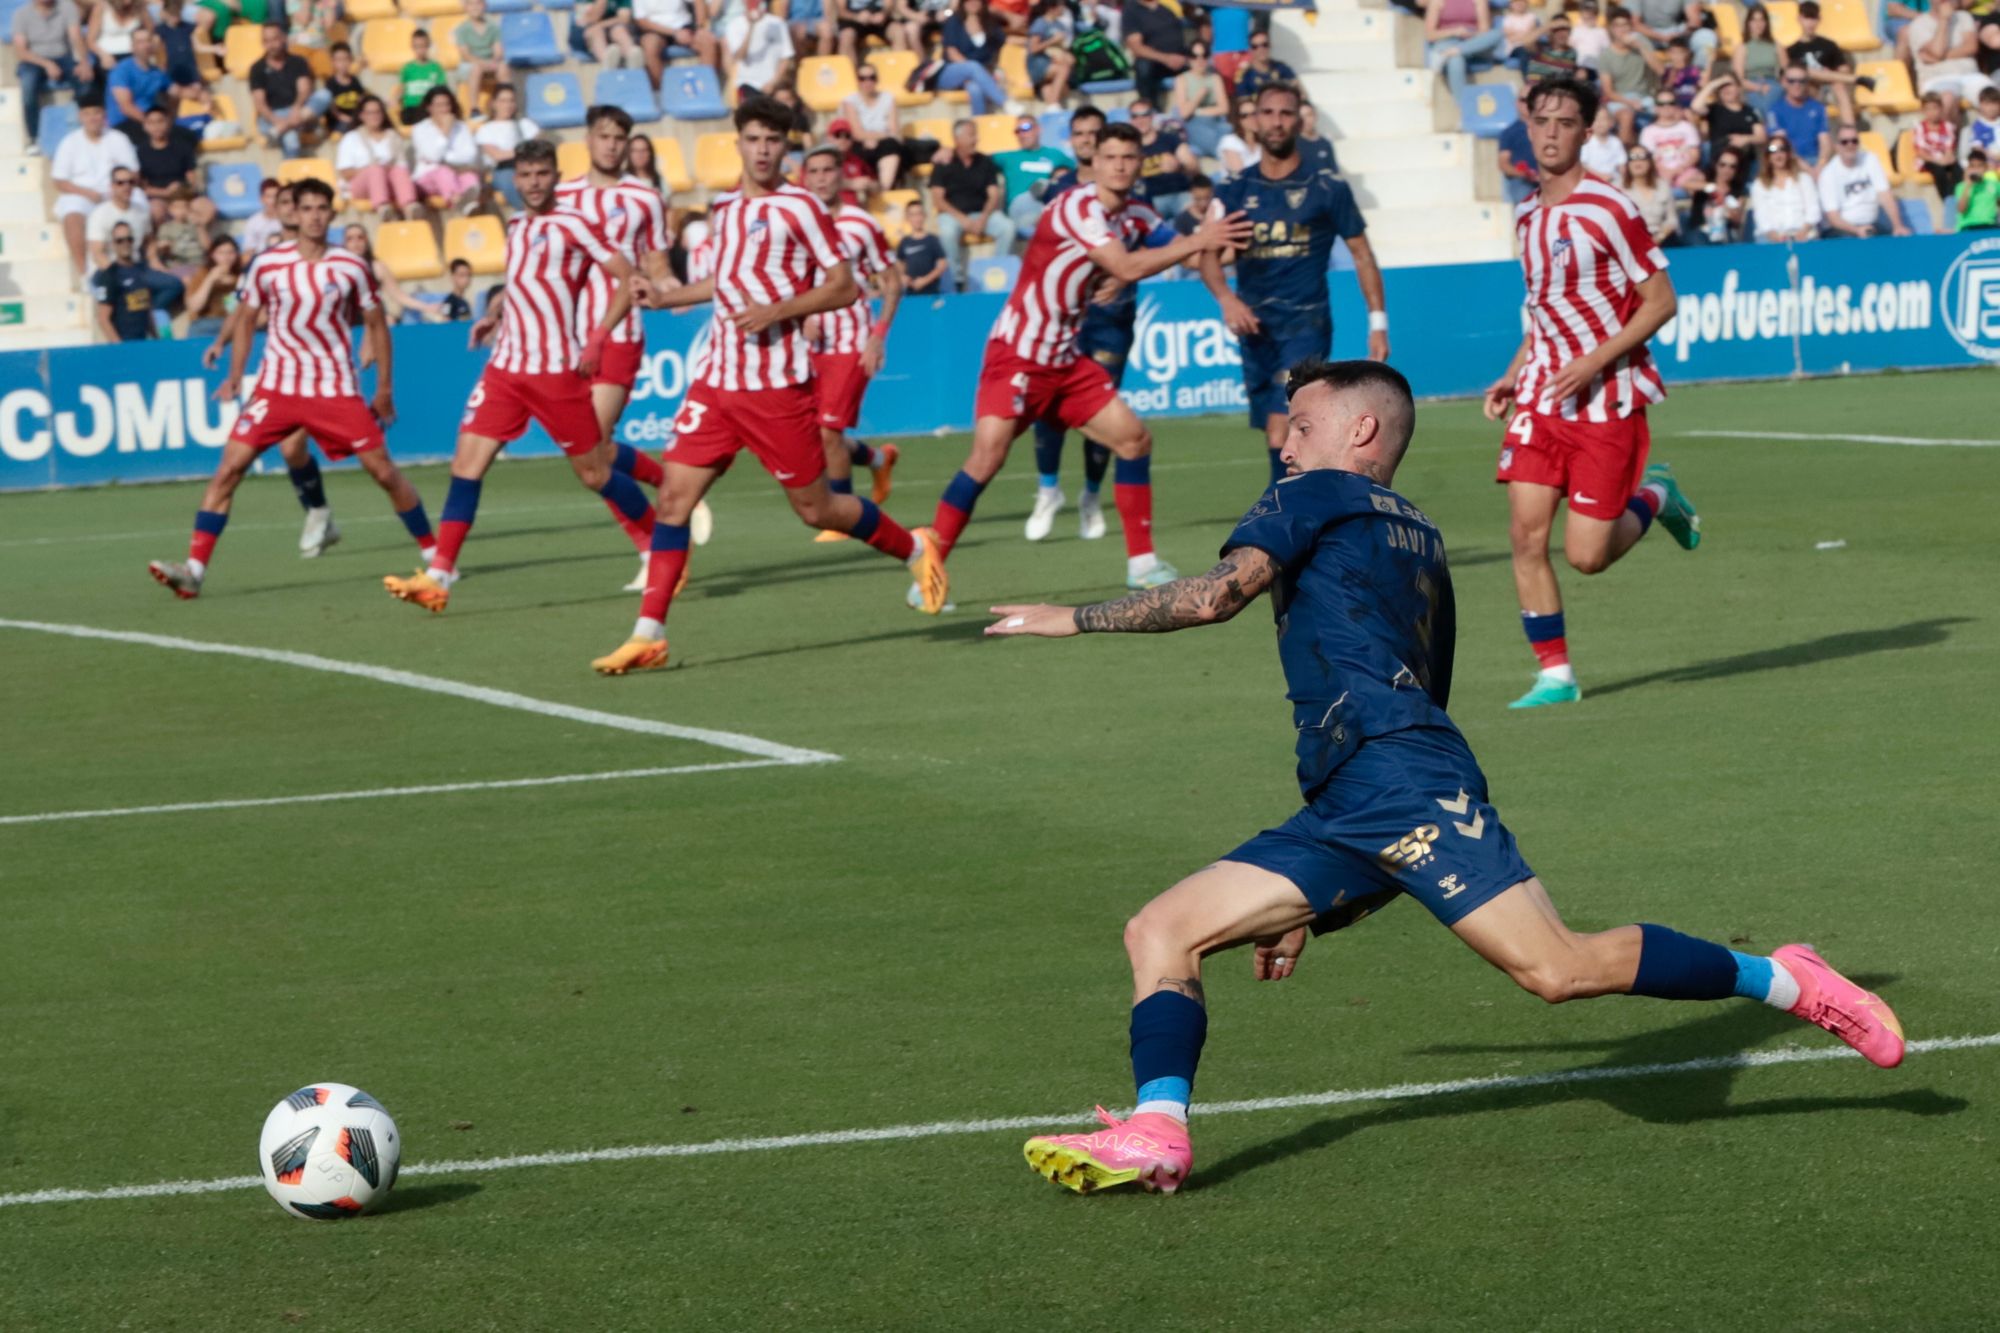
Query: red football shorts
{"type": "Point", "coordinates": [342, 427]}
{"type": "Point", "coordinates": [780, 426]}
{"type": "Point", "coordinates": [1010, 386]}
{"type": "Point", "coordinates": [503, 402]}
{"type": "Point", "coordinates": [1597, 464]}
{"type": "Point", "coordinates": [841, 383]}
{"type": "Point", "coordinates": [620, 364]}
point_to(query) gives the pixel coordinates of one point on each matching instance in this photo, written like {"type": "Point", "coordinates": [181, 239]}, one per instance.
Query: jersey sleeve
{"type": "Point", "coordinates": [1284, 527]}
{"type": "Point", "coordinates": [875, 251]}
{"type": "Point", "coordinates": [591, 241]}
{"type": "Point", "coordinates": [653, 236]}
{"type": "Point", "coordinates": [1639, 255]}
{"type": "Point", "coordinates": [367, 295]}
{"type": "Point", "coordinates": [1345, 214]}
{"type": "Point", "coordinates": [1081, 219]}
{"type": "Point", "coordinates": [821, 235]}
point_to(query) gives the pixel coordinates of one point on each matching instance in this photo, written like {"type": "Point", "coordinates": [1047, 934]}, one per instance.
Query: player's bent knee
{"type": "Point", "coordinates": [1588, 560]}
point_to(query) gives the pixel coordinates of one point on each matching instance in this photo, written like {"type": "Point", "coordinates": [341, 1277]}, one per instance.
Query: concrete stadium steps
{"type": "Point", "coordinates": [36, 320]}
{"type": "Point", "coordinates": [38, 243]}
{"type": "Point", "coordinates": [1417, 188]}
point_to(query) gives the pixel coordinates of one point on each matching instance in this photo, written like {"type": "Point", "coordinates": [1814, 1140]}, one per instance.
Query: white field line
{"type": "Point", "coordinates": [1814, 437]}
{"type": "Point", "coordinates": [941, 1128]}
{"type": "Point", "coordinates": [434, 789]}
{"type": "Point", "coordinates": [725, 740]}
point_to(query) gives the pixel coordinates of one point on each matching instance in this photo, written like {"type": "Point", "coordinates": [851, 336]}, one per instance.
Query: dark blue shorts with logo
{"type": "Point", "coordinates": [1269, 355]}
{"type": "Point", "coordinates": [1405, 813]}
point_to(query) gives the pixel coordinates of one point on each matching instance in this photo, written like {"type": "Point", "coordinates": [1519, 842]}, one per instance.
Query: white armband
{"type": "Point", "coordinates": [1378, 321]}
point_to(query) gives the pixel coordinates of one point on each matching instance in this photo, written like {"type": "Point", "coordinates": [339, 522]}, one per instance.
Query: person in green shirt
{"type": "Point", "coordinates": [1978, 194]}
{"type": "Point", "coordinates": [419, 76]}
{"type": "Point", "coordinates": [480, 56]}
{"type": "Point", "coordinates": [1025, 171]}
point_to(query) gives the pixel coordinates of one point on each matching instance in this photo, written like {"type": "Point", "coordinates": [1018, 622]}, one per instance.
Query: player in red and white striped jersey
{"type": "Point", "coordinates": [1575, 396]}
{"type": "Point", "coordinates": [777, 262]}
{"type": "Point", "coordinates": [307, 380]}
{"type": "Point", "coordinates": [540, 368]}
{"type": "Point", "coordinates": [849, 344]}
{"type": "Point", "coordinates": [1032, 369]}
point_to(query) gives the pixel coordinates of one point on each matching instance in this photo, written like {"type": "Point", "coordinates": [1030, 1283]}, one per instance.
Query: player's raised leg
{"type": "Point", "coordinates": [430, 587]}
{"type": "Point", "coordinates": [184, 577]}
{"type": "Point", "coordinates": [993, 437]}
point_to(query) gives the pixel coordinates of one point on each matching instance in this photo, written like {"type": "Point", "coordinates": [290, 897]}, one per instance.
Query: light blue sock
{"type": "Point", "coordinates": [1761, 978]}
{"type": "Point", "coordinates": [1050, 480]}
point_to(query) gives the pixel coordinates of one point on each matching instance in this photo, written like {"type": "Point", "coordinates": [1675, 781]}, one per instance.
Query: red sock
{"type": "Point", "coordinates": [639, 529]}
{"type": "Point", "coordinates": [1652, 497]}
{"type": "Point", "coordinates": [451, 536]}
{"type": "Point", "coordinates": [1135, 512]}
{"type": "Point", "coordinates": [201, 546]}
{"type": "Point", "coordinates": [646, 469]}
{"type": "Point", "coordinates": [663, 575]}
{"type": "Point", "coordinates": [1552, 652]}
{"type": "Point", "coordinates": [428, 546]}
{"type": "Point", "coordinates": [883, 533]}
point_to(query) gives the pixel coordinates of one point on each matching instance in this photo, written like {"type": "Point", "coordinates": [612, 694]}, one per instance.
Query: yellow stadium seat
{"type": "Point", "coordinates": [1728, 28]}
{"type": "Point", "coordinates": [435, 9]}
{"type": "Point", "coordinates": [1873, 142]}
{"type": "Point", "coordinates": [309, 168]}
{"type": "Point", "coordinates": [716, 165]}
{"type": "Point", "coordinates": [826, 81]}
{"type": "Point", "coordinates": [996, 133]}
{"type": "Point", "coordinates": [572, 159]}
{"type": "Point", "coordinates": [242, 47]}
{"type": "Point", "coordinates": [957, 96]}
{"type": "Point", "coordinates": [890, 203]}
{"type": "Point", "coordinates": [1014, 72]}
{"type": "Point", "coordinates": [933, 128]}
{"type": "Point", "coordinates": [443, 49]}
{"type": "Point", "coordinates": [673, 164]}
{"type": "Point", "coordinates": [1784, 23]}
{"type": "Point", "coordinates": [409, 249]}
{"type": "Point", "coordinates": [1892, 94]}
{"type": "Point", "coordinates": [367, 11]}
{"type": "Point", "coordinates": [1912, 168]}
{"type": "Point", "coordinates": [892, 73]}
{"type": "Point", "coordinates": [480, 241]}
{"type": "Point", "coordinates": [385, 45]}
{"type": "Point", "coordinates": [1846, 24]}
{"type": "Point", "coordinates": [222, 107]}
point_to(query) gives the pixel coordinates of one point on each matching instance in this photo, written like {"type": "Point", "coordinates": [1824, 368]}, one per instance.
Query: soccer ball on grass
{"type": "Point", "coordinates": [329, 1151]}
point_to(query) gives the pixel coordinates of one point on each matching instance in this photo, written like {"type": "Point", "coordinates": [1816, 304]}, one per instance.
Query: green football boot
{"type": "Point", "coordinates": [1547, 690]}
{"type": "Point", "coordinates": [1677, 515]}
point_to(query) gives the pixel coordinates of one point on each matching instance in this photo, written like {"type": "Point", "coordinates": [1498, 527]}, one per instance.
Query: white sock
{"type": "Point", "coordinates": [1178, 1110]}
{"type": "Point", "coordinates": [444, 578]}
{"type": "Point", "coordinates": [1049, 492]}
{"type": "Point", "coordinates": [1135, 565]}
{"type": "Point", "coordinates": [916, 549]}
{"type": "Point", "coordinates": [1784, 987]}
{"type": "Point", "coordinates": [321, 511]}
{"type": "Point", "coordinates": [648, 628]}
{"type": "Point", "coordinates": [198, 568]}
{"type": "Point", "coordinates": [1561, 674]}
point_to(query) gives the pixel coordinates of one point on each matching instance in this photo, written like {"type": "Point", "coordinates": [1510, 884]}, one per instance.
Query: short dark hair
{"type": "Point", "coordinates": [1086, 112]}
{"type": "Point", "coordinates": [339, 47]}
{"type": "Point", "coordinates": [447, 94]}
{"type": "Point", "coordinates": [151, 110]}
{"type": "Point", "coordinates": [1200, 182]}
{"type": "Point", "coordinates": [420, 32]}
{"type": "Point", "coordinates": [1339, 375]}
{"type": "Point", "coordinates": [1562, 86]}
{"type": "Point", "coordinates": [270, 24]}
{"type": "Point", "coordinates": [1284, 88]}
{"type": "Point", "coordinates": [1808, 9]}
{"type": "Point", "coordinates": [310, 188]}
{"type": "Point", "coordinates": [1119, 131]}
{"type": "Point", "coordinates": [530, 151]}
{"type": "Point", "coordinates": [89, 100]}
{"type": "Point", "coordinates": [757, 109]}
{"type": "Point", "coordinates": [458, 264]}
{"type": "Point", "coordinates": [617, 115]}
{"type": "Point", "coordinates": [1616, 12]}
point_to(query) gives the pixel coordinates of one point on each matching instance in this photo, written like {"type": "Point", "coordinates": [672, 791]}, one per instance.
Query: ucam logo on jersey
{"type": "Point", "coordinates": [1188, 360]}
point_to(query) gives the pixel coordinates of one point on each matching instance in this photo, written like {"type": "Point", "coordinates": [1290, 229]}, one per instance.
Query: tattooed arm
{"type": "Point", "coordinates": [1207, 599]}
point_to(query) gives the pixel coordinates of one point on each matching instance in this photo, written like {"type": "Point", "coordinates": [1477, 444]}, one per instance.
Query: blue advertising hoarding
{"type": "Point", "coordinates": [144, 412]}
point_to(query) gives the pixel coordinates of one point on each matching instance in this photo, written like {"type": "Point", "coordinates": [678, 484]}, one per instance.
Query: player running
{"type": "Point", "coordinates": [1032, 369]}
{"type": "Point", "coordinates": [848, 347]}
{"type": "Point", "coordinates": [307, 380]}
{"type": "Point", "coordinates": [1575, 396]}
{"type": "Point", "coordinates": [1281, 311]}
{"type": "Point", "coordinates": [541, 367]}
{"type": "Point", "coordinates": [1394, 800]}
{"type": "Point", "coordinates": [777, 260]}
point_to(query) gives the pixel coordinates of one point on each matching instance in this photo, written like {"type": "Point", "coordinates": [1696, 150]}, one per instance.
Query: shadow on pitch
{"type": "Point", "coordinates": [1830, 648]}
{"type": "Point", "coordinates": [1681, 1098]}
{"type": "Point", "coordinates": [412, 1197]}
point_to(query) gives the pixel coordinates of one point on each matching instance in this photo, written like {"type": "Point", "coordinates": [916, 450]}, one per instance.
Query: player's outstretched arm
{"type": "Point", "coordinates": [1219, 233]}
{"type": "Point", "coordinates": [1204, 599]}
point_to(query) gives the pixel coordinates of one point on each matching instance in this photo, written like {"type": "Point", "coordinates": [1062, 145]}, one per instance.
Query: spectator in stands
{"type": "Point", "coordinates": [176, 37]}
{"type": "Point", "coordinates": [1978, 195]}
{"type": "Point", "coordinates": [1050, 63]}
{"type": "Point", "coordinates": [1604, 152]}
{"type": "Point", "coordinates": [140, 81]}
{"type": "Point", "coordinates": [504, 131]}
{"type": "Point", "coordinates": [1827, 66]}
{"type": "Point", "coordinates": [265, 227]}
{"type": "Point", "coordinates": [606, 26]}
{"type": "Point", "coordinates": [1658, 22]}
{"type": "Point", "coordinates": [1201, 102]}
{"type": "Point", "coordinates": [1854, 196]}
{"type": "Point", "coordinates": [1654, 197]}
{"type": "Point", "coordinates": [125, 207]}
{"type": "Point", "coordinates": [1944, 47]}
{"type": "Point", "coordinates": [870, 113]}
{"type": "Point", "coordinates": [926, 268]}
{"type": "Point", "coordinates": [281, 90]}
{"type": "Point", "coordinates": [218, 16]}
{"type": "Point", "coordinates": [1631, 71]}
{"type": "Point", "coordinates": [1315, 149]}
{"type": "Point", "coordinates": [1783, 200]}
{"type": "Point", "coordinates": [971, 49]}
{"type": "Point", "coordinates": [344, 92]}
{"type": "Point", "coordinates": [49, 53]}
{"type": "Point", "coordinates": [1166, 163]}
{"type": "Point", "coordinates": [668, 23]}
{"type": "Point", "coordinates": [212, 294]}
{"type": "Point", "coordinates": [858, 180]}
{"type": "Point", "coordinates": [1013, 16]}
{"type": "Point", "coordinates": [447, 158]}
{"type": "Point", "coordinates": [482, 56]}
{"type": "Point", "coordinates": [179, 240]}
{"type": "Point", "coordinates": [917, 22]}
{"type": "Point", "coordinates": [1935, 140]}
{"type": "Point", "coordinates": [1756, 60]}
{"type": "Point", "coordinates": [457, 303]}
{"type": "Point", "coordinates": [1731, 121]}
{"type": "Point", "coordinates": [373, 162]}
{"type": "Point", "coordinates": [420, 74]}
{"type": "Point", "coordinates": [125, 289]}
{"type": "Point", "coordinates": [112, 23]}
{"type": "Point", "coordinates": [169, 161]}
{"type": "Point", "coordinates": [1681, 76]}
{"type": "Point", "coordinates": [84, 165]}
{"type": "Point", "coordinates": [1238, 152]}
{"type": "Point", "coordinates": [641, 160]}
{"type": "Point", "coordinates": [756, 49]}
{"type": "Point", "coordinates": [1591, 37]}
{"type": "Point", "coordinates": [1157, 42]}
{"type": "Point", "coordinates": [1987, 57]}
{"type": "Point", "coordinates": [1201, 194]}
{"type": "Point", "coordinates": [1261, 69]}
{"type": "Point", "coordinates": [1025, 173]}
{"type": "Point", "coordinates": [1519, 28]}
{"type": "Point", "coordinates": [1801, 119]}
{"type": "Point", "coordinates": [1553, 55]}
{"type": "Point", "coordinates": [860, 21]}
{"type": "Point", "coordinates": [1702, 34]}
{"type": "Point", "coordinates": [1983, 130]}
{"type": "Point", "coordinates": [1459, 34]}
{"type": "Point", "coordinates": [1519, 176]}
{"type": "Point", "coordinates": [966, 196]}
{"type": "Point", "coordinates": [312, 23]}
{"type": "Point", "coordinates": [786, 95]}
{"type": "Point", "coordinates": [1675, 144]}
{"type": "Point", "coordinates": [1719, 208]}
{"type": "Point", "coordinates": [812, 27]}
{"type": "Point", "coordinates": [398, 306]}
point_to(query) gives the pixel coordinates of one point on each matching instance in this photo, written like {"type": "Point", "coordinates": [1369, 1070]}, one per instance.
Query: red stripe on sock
{"type": "Point", "coordinates": [663, 575]}
{"type": "Point", "coordinates": [451, 536]}
{"type": "Point", "coordinates": [892, 538]}
{"type": "Point", "coordinates": [949, 523]}
{"type": "Point", "coordinates": [1135, 511]}
{"type": "Point", "coordinates": [1652, 497]}
{"type": "Point", "coordinates": [201, 546]}
{"type": "Point", "coordinates": [639, 530]}
{"type": "Point", "coordinates": [647, 470]}
{"type": "Point", "coordinates": [1552, 652]}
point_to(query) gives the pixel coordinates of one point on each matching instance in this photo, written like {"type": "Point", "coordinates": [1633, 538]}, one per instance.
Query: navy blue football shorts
{"type": "Point", "coordinates": [1269, 355]}
{"type": "Point", "coordinates": [1107, 341]}
{"type": "Point", "coordinates": [1406, 813]}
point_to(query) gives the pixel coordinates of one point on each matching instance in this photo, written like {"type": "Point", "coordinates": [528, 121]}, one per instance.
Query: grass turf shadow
{"type": "Point", "coordinates": [413, 1197]}
{"type": "Point", "coordinates": [1828, 648]}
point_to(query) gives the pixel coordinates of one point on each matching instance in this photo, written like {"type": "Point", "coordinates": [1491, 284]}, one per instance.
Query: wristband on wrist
{"type": "Point", "coordinates": [1378, 321]}
{"type": "Point", "coordinates": [880, 329]}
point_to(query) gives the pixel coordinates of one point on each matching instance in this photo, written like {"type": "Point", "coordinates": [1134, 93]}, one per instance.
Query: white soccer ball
{"type": "Point", "coordinates": [329, 1151]}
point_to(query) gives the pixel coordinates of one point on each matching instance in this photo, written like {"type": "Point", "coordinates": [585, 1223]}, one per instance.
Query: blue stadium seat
{"type": "Point", "coordinates": [1485, 109]}
{"type": "Point", "coordinates": [692, 92]}
{"type": "Point", "coordinates": [558, 4]}
{"type": "Point", "coordinates": [509, 6]}
{"type": "Point", "coordinates": [1055, 130]}
{"type": "Point", "coordinates": [530, 39]}
{"type": "Point", "coordinates": [996, 273]}
{"type": "Point", "coordinates": [234, 186]}
{"type": "Point", "coordinates": [1117, 115]}
{"type": "Point", "coordinates": [1105, 86]}
{"type": "Point", "coordinates": [555, 101]}
{"type": "Point", "coordinates": [1917, 216]}
{"type": "Point", "coordinates": [58, 119]}
{"type": "Point", "coordinates": [627, 88]}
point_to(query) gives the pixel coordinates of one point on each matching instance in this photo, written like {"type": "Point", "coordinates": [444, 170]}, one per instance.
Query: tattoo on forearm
{"type": "Point", "coordinates": [1188, 986]}
{"type": "Point", "coordinates": [1216, 595]}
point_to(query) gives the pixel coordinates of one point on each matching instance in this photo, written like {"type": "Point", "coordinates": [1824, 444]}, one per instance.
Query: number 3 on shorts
{"type": "Point", "coordinates": [689, 421]}
{"type": "Point", "coordinates": [1522, 427]}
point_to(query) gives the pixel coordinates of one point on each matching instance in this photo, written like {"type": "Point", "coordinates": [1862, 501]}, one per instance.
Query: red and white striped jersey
{"type": "Point", "coordinates": [862, 241]}
{"type": "Point", "coordinates": [1040, 319]}
{"type": "Point", "coordinates": [549, 261]}
{"type": "Point", "coordinates": [632, 218]}
{"type": "Point", "coordinates": [767, 248]}
{"type": "Point", "coordinates": [307, 352]}
{"type": "Point", "coordinates": [1584, 260]}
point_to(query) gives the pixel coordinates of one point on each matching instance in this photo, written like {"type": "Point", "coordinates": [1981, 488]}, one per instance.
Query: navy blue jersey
{"type": "Point", "coordinates": [1281, 275]}
{"type": "Point", "coordinates": [1363, 601]}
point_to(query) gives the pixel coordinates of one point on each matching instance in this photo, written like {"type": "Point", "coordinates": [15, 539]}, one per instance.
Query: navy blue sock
{"type": "Point", "coordinates": [840, 485]}
{"type": "Point", "coordinates": [308, 485]}
{"type": "Point", "coordinates": [624, 494]}
{"type": "Point", "coordinates": [1049, 437]}
{"type": "Point", "coordinates": [1133, 471]}
{"type": "Point", "coordinates": [624, 458]}
{"type": "Point", "coordinates": [1168, 1030]}
{"type": "Point", "coordinates": [1673, 966]}
{"type": "Point", "coordinates": [1639, 505]}
{"type": "Point", "coordinates": [1277, 465]}
{"type": "Point", "coordinates": [864, 527]}
{"type": "Point", "coordinates": [416, 522]}
{"type": "Point", "coordinates": [461, 502]}
{"type": "Point", "coordinates": [1096, 462]}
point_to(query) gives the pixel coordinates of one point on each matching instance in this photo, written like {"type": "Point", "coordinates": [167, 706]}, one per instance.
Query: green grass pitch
{"type": "Point", "coordinates": [1777, 742]}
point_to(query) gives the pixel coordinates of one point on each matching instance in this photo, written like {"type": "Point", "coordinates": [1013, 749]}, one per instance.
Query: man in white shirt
{"type": "Point", "coordinates": [756, 48]}
{"type": "Point", "coordinates": [664, 23]}
{"type": "Point", "coordinates": [82, 170]}
{"type": "Point", "coordinates": [124, 204]}
{"type": "Point", "coordinates": [1854, 192]}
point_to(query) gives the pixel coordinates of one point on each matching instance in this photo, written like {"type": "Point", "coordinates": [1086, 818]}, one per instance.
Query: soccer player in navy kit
{"type": "Point", "coordinates": [1280, 312]}
{"type": "Point", "coordinates": [1395, 803]}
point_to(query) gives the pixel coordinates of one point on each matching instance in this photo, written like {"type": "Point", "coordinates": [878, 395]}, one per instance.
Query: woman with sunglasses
{"type": "Point", "coordinates": [1784, 202]}
{"type": "Point", "coordinates": [1719, 208]}
{"type": "Point", "coordinates": [1201, 101]}
{"type": "Point", "coordinates": [1654, 197]}
{"type": "Point", "coordinates": [871, 117]}
{"type": "Point", "coordinates": [1261, 69]}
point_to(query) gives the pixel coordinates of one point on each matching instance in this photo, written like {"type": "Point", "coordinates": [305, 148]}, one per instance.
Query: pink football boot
{"type": "Point", "coordinates": [1829, 1000]}
{"type": "Point", "coordinates": [1152, 1149]}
